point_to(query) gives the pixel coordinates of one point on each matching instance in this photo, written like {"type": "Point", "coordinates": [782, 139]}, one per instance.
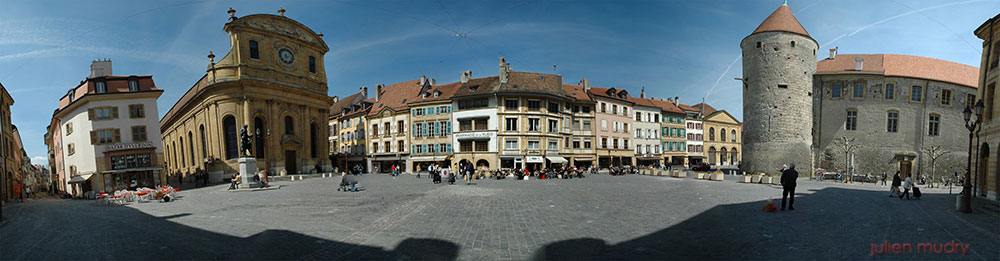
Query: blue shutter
{"type": "Point", "coordinates": [414, 130]}
{"type": "Point", "coordinates": [449, 147]}
{"type": "Point", "coordinates": [449, 127]}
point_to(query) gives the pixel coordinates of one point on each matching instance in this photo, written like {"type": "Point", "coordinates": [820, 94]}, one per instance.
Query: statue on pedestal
{"type": "Point", "coordinates": [246, 141]}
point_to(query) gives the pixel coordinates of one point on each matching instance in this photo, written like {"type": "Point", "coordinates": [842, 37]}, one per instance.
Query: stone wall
{"type": "Point", "coordinates": [777, 102]}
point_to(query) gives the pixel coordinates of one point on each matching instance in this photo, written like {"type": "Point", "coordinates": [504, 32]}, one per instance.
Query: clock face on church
{"type": "Point", "coordinates": [286, 56]}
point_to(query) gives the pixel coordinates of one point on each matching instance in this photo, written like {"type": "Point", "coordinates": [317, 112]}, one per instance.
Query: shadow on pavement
{"type": "Point", "coordinates": [830, 223]}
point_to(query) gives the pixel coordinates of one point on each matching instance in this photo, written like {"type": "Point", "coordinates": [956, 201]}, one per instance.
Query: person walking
{"type": "Point", "coordinates": [788, 178]}
{"type": "Point", "coordinates": [884, 176]}
{"type": "Point", "coordinates": [27, 192]}
{"type": "Point", "coordinates": [895, 185]}
{"type": "Point", "coordinates": [907, 185]}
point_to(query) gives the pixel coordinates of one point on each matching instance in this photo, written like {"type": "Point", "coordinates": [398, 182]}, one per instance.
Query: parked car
{"type": "Point", "coordinates": [701, 167]}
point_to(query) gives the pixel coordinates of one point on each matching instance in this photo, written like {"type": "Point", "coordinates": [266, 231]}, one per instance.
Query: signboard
{"type": "Point", "coordinates": [131, 146]}
{"type": "Point", "coordinates": [475, 135]}
{"type": "Point", "coordinates": [534, 159]}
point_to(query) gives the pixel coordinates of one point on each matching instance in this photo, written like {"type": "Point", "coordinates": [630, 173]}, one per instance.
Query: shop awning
{"type": "Point", "coordinates": [556, 159]}
{"type": "Point", "coordinates": [534, 159]}
{"type": "Point", "coordinates": [584, 159]}
{"type": "Point", "coordinates": [648, 158]}
{"type": "Point", "coordinates": [80, 178]}
{"type": "Point", "coordinates": [428, 158]}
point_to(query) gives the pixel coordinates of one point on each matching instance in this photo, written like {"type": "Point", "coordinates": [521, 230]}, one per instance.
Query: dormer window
{"type": "Point", "coordinates": [70, 94]}
{"type": "Point", "coordinates": [474, 87]}
{"type": "Point", "coordinates": [100, 87]}
{"type": "Point", "coordinates": [133, 85]}
{"type": "Point", "coordinates": [425, 95]}
{"type": "Point", "coordinates": [437, 93]}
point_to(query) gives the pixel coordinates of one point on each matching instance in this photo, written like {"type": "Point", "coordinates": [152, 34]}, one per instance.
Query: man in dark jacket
{"type": "Point", "coordinates": [788, 178]}
{"type": "Point", "coordinates": [896, 182]}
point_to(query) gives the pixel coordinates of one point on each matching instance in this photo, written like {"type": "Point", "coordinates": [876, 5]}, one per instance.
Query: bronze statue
{"type": "Point", "coordinates": [246, 140]}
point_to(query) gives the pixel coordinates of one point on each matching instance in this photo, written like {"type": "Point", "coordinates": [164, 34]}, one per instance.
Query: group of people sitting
{"type": "Point", "coordinates": [622, 170]}
{"type": "Point", "coordinates": [260, 178]}
{"type": "Point", "coordinates": [564, 172]}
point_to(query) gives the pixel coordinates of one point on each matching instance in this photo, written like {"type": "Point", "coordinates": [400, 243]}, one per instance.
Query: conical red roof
{"type": "Point", "coordinates": [782, 20]}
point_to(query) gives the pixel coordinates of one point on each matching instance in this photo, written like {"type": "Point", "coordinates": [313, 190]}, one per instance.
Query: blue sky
{"type": "Point", "coordinates": [672, 48]}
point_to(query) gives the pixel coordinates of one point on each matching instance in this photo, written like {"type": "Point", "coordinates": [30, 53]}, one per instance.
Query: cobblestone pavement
{"type": "Point", "coordinates": [599, 217]}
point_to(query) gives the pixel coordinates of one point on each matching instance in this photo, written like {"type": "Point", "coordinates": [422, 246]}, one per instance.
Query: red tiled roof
{"type": "Point", "coordinates": [576, 91]}
{"type": "Point", "coordinates": [667, 106]}
{"type": "Point", "coordinates": [686, 107]}
{"type": "Point", "coordinates": [396, 96]}
{"type": "Point", "coordinates": [341, 104]}
{"type": "Point", "coordinates": [446, 91]}
{"type": "Point", "coordinates": [782, 20]}
{"type": "Point", "coordinates": [708, 108]}
{"type": "Point", "coordinates": [898, 65]}
{"type": "Point", "coordinates": [603, 92]}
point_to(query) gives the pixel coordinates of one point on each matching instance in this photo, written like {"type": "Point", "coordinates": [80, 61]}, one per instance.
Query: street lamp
{"type": "Point", "coordinates": [965, 199]}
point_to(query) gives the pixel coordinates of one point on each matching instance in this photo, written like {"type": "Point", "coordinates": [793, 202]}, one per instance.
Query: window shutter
{"type": "Point", "coordinates": [118, 135]}
{"type": "Point", "coordinates": [93, 137]}
{"type": "Point", "coordinates": [414, 127]}
{"type": "Point", "coordinates": [449, 130]}
{"type": "Point", "coordinates": [90, 114]}
{"type": "Point", "coordinates": [114, 112]}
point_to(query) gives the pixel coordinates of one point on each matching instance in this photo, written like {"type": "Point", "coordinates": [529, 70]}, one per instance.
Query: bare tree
{"type": "Point", "coordinates": [934, 153]}
{"type": "Point", "coordinates": [848, 146]}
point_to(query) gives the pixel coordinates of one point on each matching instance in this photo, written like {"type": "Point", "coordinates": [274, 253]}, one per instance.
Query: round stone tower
{"type": "Point", "coordinates": [779, 60]}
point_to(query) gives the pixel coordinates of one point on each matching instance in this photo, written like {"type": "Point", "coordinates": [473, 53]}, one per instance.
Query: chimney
{"type": "Point", "coordinates": [833, 53]}
{"type": "Point", "coordinates": [670, 100]}
{"type": "Point", "coordinates": [504, 69]}
{"type": "Point", "coordinates": [100, 68]}
{"type": "Point", "coordinates": [378, 92]}
{"type": "Point", "coordinates": [364, 92]}
{"type": "Point", "coordinates": [336, 99]}
{"type": "Point", "coordinates": [423, 80]}
{"type": "Point", "coordinates": [642, 93]}
{"type": "Point", "coordinates": [466, 75]}
{"type": "Point", "coordinates": [586, 84]}
{"type": "Point", "coordinates": [859, 63]}
{"type": "Point", "coordinates": [433, 82]}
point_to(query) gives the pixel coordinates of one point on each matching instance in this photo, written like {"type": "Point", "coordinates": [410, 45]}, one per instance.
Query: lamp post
{"type": "Point", "coordinates": [965, 199]}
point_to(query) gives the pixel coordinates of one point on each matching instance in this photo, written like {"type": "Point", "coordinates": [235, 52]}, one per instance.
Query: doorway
{"type": "Point", "coordinates": [905, 166]}
{"type": "Point", "coordinates": [984, 164]}
{"type": "Point", "coordinates": [290, 162]}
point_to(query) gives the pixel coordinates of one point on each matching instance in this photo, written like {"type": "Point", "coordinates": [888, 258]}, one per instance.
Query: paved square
{"type": "Point", "coordinates": [599, 217]}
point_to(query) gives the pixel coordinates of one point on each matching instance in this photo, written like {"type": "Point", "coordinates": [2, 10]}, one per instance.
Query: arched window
{"type": "Point", "coordinates": [722, 135]}
{"type": "Point", "coordinates": [229, 132]}
{"type": "Point", "coordinates": [204, 145]}
{"type": "Point", "coordinates": [174, 153]}
{"type": "Point", "coordinates": [254, 50]}
{"type": "Point", "coordinates": [191, 148]}
{"type": "Point", "coordinates": [259, 131]}
{"type": "Point", "coordinates": [711, 134]}
{"type": "Point", "coordinates": [183, 162]}
{"type": "Point", "coordinates": [793, 43]}
{"type": "Point", "coordinates": [289, 126]}
{"type": "Point", "coordinates": [732, 133]}
{"type": "Point", "coordinates": [166, 152]}
{"type": "Point", "coordinates": [313, 141]}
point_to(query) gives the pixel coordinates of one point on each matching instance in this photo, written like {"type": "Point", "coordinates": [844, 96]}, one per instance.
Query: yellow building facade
{"type": "Point", "coordinates": [722, 139]}
{"type": "Point", "coordinates": [273, 83]}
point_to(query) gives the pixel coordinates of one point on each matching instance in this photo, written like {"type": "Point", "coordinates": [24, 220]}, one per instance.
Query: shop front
{"type": "Point", "coordinates": [555, 161]}
{"type": "Point", "coordinates": [131, 169]}
{"type": "Point", "coordinates": [648, 160]}
{"type": "Point", "coordinates": [583, 162]}
{"type": "Point", "coordinates": [384, 164]}
{"type": "Point", "coordinates": [511, 162]}
{"type": "Point", "coordinates": [423, 163]}
{"type": "Point", "coordinates": [534, 162]}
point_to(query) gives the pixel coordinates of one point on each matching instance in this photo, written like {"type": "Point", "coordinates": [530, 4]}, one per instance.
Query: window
{"type": "Point", "coordinates": [553, 145]}
{"type": "Point", "coordinates": [399, 127]}
{"type": "Point", "coordinates": [533, 144]}
{"type": "Point", "coordinates": [890, 91]}
{"type": "Point", "coordinates": [473, 104]}
{"type": "Point", "coordinates": [139, 134]}
{"type": "Point", "coordinates": [136, 111]}
{"type": "Point", "coordinates": [732, 133]}
{"type": "Point", "coordinates": [71, 149]}
{"type": "Point", "coordinates": [229, 128]}
{"type": "Point", "coordinates": [314, 139]}
{"type": "Point", "coordinates": [533, 124]}
{"type": "Point", "coordinates": [204, 145]}
{"type": "Point", "coordinates": [892, 121]}
{"type": "Point", "coordinates": [400, 146]}
{"type": "Point", "coordinates": [534, 105]}
{"type": "Point", "coordinates": [970, 100]}
{"type": "Point", "coordinates": [722, 135]}
{"type": "Point", "coordinates": [254, 51]}
{"type": "Point", "coordinates": [482, 145]}
{"type": "Point", "coordinates": [945, 97]}
{"type": "Point", "coordinates": [604, 125]}
{"type": "Point", "coordinates": [604, 107]}
{"type": "Point", "coordinates": [289, 126]}
{"type": "Point", "coordinates": [852, 120]}
{"type": "Point", "coordinates": [615, 143]}
{"type": "Point", "coordinates": [576, 125]}
{"type": "Point", "coordinates": [576, 144]}
{"type": "Point", "coordinates": [837, 90]}
{"type": "Point", "coordinates": [100, 87]}
{"type": "Point", "coordinates": [604, 143]}
{"type": "Point", "coordinates": [106, 136]}
{"type": "Point", "coordinates": [510, 144]}
{"type": "Point", "coordinates": [626, 144]}
{"type": "Point", "coordinates": [312, 64]}
{"type": "Point", "coordinates": [711, 134]}
{"type": "Point", "coordinates": [191, 147]}
{"type": "Point", "coordinates": [133, 85]}
{"type": "Point", "coordinates": [103, 113]}
{"type": "Point", "coordinates": [553, 126]}
{"type": "Point", "coordinates": [481, 124]}
{"type": "Point", "coordinates": [614, 109]}
{"type": "Point", "coordinates": [69, 128]}
{"type": "Point", "coordinates": [586, 144]}
{"type": "Point", "coordinates": [553, 107]}
{"type": "Point", "coordinates": [859, 90]}
{"type": "Point", "coordinates": [586, 125]}
{"type": "Point", "coordinates": [510, 124]}
{"type": "Point", "coordinates": [510, 105]}
{"type": "Point", "coordinates": [626, 129]}
{"type": "Point", "coordinates": [934, 125]}
{"type": "Point", "coordinates": [465, 145]}
{"type": "Point", "coordinates": [916, 93]}
{"type": "Point", "coordinates": [386, 129]}
{"type": "Point", "coordinates": [465, 125]}
{"type": "Point", "coordinates": [586, 109]}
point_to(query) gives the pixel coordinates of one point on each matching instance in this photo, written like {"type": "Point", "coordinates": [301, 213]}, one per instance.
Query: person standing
{"type": "Point", "coordinates": [788, 178]}
{"type": "Point", "coordinates": [27, 192]}
{"type": "Point", "coordinates": [907, 185]}
{"type": "Point", "coordinates": [884, 176]}
{"type": "Point", "coordinates": [895, 185]}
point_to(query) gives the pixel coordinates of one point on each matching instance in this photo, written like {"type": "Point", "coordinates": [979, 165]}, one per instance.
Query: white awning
{"type": "Point", "coordinates": [556, 159]}
{"type": "Point", "coordinates": [80, 178]}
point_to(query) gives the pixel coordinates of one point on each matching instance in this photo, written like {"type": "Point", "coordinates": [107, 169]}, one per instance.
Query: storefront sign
{"type": "Point", "coordinates": [473, 135]}
{"type": "Point", "coordinates": [130, 146]}
{"type": "Point", "coordinates": [534, 159]}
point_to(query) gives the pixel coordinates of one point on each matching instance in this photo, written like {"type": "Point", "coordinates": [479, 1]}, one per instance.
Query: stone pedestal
{"type": "Point", "coordinates": [248, 168]}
